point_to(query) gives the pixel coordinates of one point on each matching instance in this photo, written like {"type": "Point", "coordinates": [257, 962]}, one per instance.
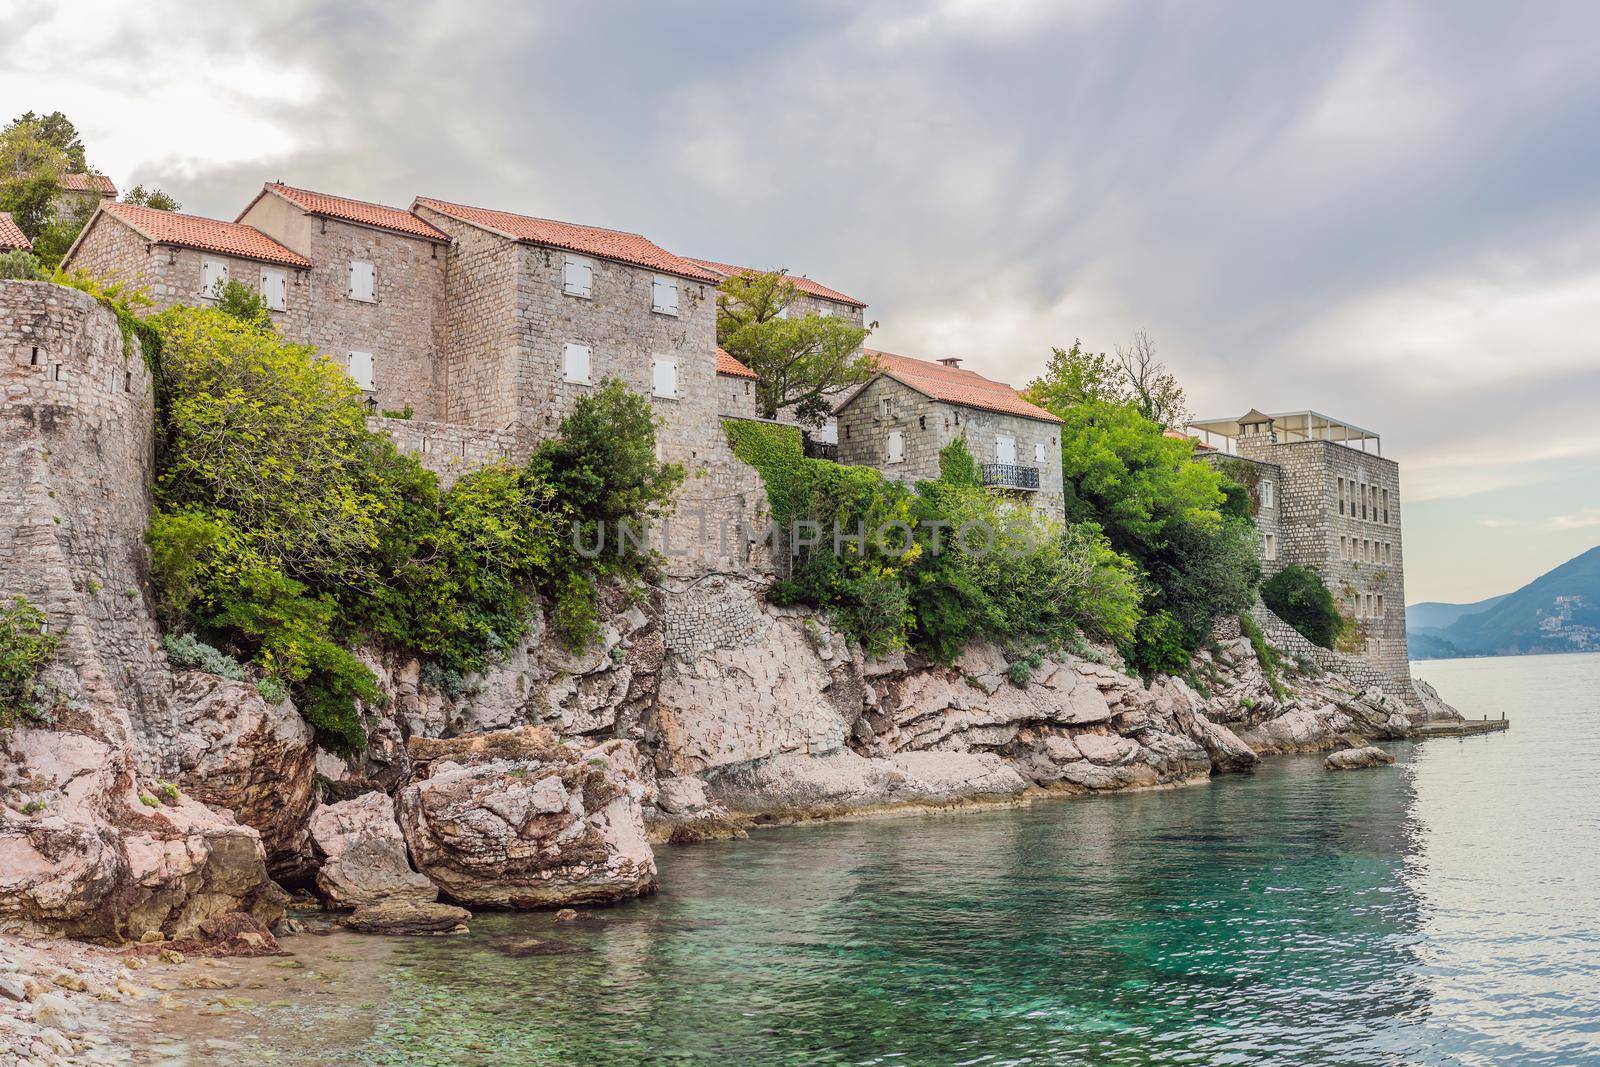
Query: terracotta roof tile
{"type": "Point", "coordinates": [11, 235]}
{"type": "Point", "coordinates": [208, 235]}
{"type": "Point", "coordinates": [955, 386]}
{"type": "Point", "coordinates": [339, 207]}
{"type": "Point", "coordinates": [588, 240]}
{"type": "Point", "coordinates": [88, 183]}
{"type": "Point", "coordinates": [800, 282]}
{"type": "Point", "coordinates": [726, 364]}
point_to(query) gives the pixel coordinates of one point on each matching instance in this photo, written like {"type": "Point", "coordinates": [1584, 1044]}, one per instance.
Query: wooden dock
{"type": "Point", "coordinates": [1464, 728]}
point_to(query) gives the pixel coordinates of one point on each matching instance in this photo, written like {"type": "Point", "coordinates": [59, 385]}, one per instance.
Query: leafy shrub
{"type": "Point", "coordinates": [1266, 655]}
{"type": "Point", "coordinates": [272, 690]}
{"type": "Point", "coordinates": [22, 266]}
{"type": "Point", "coordinates": [26, 646]}
{"type": "Point", "coordinates": [1159, 646]}
{"type": "Point", "coordinates": [1298, 596]}
{"type": "Point", "coordinates": [186, 652]}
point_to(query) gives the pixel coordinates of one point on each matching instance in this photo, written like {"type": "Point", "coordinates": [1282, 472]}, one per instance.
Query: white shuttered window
{"type": "Point", "coordinates": [213, 275]}
{"type": "Point", "coordinates": [1005, 450]}
{"type": "Point", "coordinates": [575, 362]}
{"type": "Point", "coordinates": [897, 446]}
{"type": "Point", "coordinates": [578, 276]}
{"type": "Point", "coordinates": [664, 295]}
{"type": "Point", "coordinates": [275, 288]}
{"type": "Point", "coordinates": [361, 370]}
{"type": "Point", "coordinates": [664, 378]}
{"type": "Point", "coordinates": [363, 281]}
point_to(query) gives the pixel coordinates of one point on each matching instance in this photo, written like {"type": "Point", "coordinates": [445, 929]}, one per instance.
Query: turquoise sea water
{"type": "Point", "coordinates": [1443, 910]}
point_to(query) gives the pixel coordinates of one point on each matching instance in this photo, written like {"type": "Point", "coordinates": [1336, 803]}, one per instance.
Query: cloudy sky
{"type": "Point", "coordinates": [1386, 212]}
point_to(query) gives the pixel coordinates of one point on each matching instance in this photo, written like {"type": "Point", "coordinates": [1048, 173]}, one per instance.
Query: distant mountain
{"type": "Point", "coordinates": [1432, 615]}
{"type": "Point", "coordinates": [1557, 612]}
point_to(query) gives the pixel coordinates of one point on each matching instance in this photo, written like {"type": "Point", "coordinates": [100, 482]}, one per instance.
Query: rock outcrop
{"type": "Point", "coordinates": [363, 855]}
{"type": "Point", "coordinates": [518, 819]}
{"type": "Point", "coordinates": [235, 751]}
{"type": "Point", "coordinates": [408, 917]}
{"type": "Point", "coordinates": [1351, 759]}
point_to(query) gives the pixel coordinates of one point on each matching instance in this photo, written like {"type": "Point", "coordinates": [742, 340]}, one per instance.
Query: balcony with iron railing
{"type": "Point", "coordinates": [1011, 476]}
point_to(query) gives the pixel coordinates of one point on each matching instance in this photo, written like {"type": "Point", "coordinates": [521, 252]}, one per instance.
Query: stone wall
{"type": "Point", "coordinates": [1359, 671]}
{"type": "Point", "coordinates": [400, 328]}
{"type": "Point", "coordinates": [76, 427]}
{"type": "Point", "coordinates": [450, 449]}
{"type": "Point", "coordinates": [927, 426]}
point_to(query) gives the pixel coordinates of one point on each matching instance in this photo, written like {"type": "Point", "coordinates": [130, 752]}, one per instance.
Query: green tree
{"type": "Point", "coordinates": [151, 198]}
{"type": "Point", "coordinates": [57, 130]}
{"type": "Point", "coordinates": [30, 169]}
{"type": "Point", "coordinates": [18, 265]}
{"type": "Point", "coordinates": [243, 303]}
{"type": "Point", "coordinates": [1299, 597]}
{"type": "Point", "coordinates": [799, 360]}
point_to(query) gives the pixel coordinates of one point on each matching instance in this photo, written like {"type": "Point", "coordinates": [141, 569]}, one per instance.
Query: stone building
{"type": "Point", "coordinates": [12, 238]}
{"type": "Point", "coordinates": [736, 388]}
{"type": "Point", "coordinates": [181, 259]}
{"type": "Point", "coordinates": [1327, 499]}
{"type": "Point", "coordinates": [82, 192]}
{"type": "Point", "coordinates": [375, 290]}
{"type": "Point", "coordinates": [902, 417]}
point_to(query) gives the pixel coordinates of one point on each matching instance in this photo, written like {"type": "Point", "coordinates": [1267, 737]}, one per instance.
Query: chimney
{"type": "Point", "coordinates": [954, 362]}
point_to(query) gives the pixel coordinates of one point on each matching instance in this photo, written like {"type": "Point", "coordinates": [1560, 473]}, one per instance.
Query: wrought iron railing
{"type": "Point", "coordinates": [1010, 476]}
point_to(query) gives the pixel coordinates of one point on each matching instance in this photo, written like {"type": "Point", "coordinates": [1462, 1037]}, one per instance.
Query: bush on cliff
{"type": "Point", "coordinates": [26, 646]}
{"type": "Point", "coordinates": [290, 534]}
{"type": "Point", "coordinates": [933, 568]}
{"type": "Point", "coordinates": [1299, 597]}
{"type": "Point", "coordinates": [1185, 524]}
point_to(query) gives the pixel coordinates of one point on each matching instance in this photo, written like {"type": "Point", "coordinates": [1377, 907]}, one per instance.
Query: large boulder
{"type": "Point", "coordinates": [236, 751]}
{"type": "Point", "coordinates": [364, 855]}
{"type": "Point", "coordinates": [94, 853]}
{"type": "Point", "coordinates": [796, 785]}
{"type": "Point", "coordinates": [516, 819]}
{"type": "Point", "coordinates": [408, 917]}
{"type": "Point", "coordinates": [1351, 759]}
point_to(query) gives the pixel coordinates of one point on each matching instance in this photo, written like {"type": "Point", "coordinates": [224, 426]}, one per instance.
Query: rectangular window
{"type": "Point", "coordinates": [213, 276]}
{"type": "Point", "coordinates": [664, 295]}
{"type": "Point", "coordinates": [363, 281]}
{"type": "Point", "coordinates": [1038, 452]}
{"type": "Point", "coordinates": [897, 446]}
{"type": "Point", "coordinates": [885, 407]}
{"type": "Point", "coordinates": [1386, 507]}
{"type": "Point", "coordinates": [1270, 546]}
{"type": "Point", "coordinates": [1344, 548]}
{"type": "Point", "coordinates": [575, 363]}
{"type": "Point", "coordinates": [275, 288]}
{"type": "Point", "coordinates": [1266, 494]}
{"type": "Point", "coordinates": [1005, 450]}
{"type": "Point", "coordinates": [1380, 605]}
{"type": "Point", "coordinates": [361, 370]}
{"type": "Point", "coordinates": [578, 277]}
{"type": "Point", "coordinates": [829, 434]}
{"type": "Point", "coordinates": [1388, 556]}
{"type": "Point", "coordinates": [664, 378]}
{"type": "Point", "coordinates": [1341, 496]}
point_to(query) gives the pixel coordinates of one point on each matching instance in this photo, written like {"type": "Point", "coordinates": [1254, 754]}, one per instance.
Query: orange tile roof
{"type": "Point", "coordinates": [954, 386]}
{"type": "Point", "coordinates": [87, 183]}
{"type": "Point", "coordinates": [800, 282]}
{"type": "Point", "coordinates": [726, 364]}
{"type": "Point", "coordinates": [367, 214]}
{"type": "Point", "coordinates": [11, 235]}
{"type": "Point", "coordinates": [589, 240]}
{"type": "Point", "coordinates": [208, 235]}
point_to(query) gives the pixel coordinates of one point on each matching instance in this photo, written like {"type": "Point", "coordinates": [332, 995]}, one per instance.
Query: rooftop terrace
{"type": "Point", "coordinates": [1285, 428]}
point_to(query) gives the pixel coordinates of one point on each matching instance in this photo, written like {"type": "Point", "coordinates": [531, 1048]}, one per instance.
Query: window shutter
{"type": "Point", "coordinates": [665, 378]}
{"type": "Point", "coordinates": [576, 363]}
{"type": "Point", "coordinates": [897, 446]}
{"type": "Point", "coordinates": [213, 272]}
{"type": "Point", "coordinates": [274, 288]}
{"type": "Point", "coordinates": [363, 281]}
{"type": "Point", "coordinates": [1038, 452]}
{"type": "Point", "coordinates": [579, 277]}
{"type": "Point", "coordinates": [1005, 450]}
{"type": "Point", "coordinates": [665, 295]}
{"type": "Point", "coordinates": [361, 370]}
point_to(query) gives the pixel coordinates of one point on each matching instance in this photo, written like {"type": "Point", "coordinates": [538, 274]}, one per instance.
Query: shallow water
{"type": "Point", "coordinates": [1439, 911]}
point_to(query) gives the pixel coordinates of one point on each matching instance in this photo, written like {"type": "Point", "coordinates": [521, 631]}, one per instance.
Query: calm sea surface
{"type": "Point", "coordinates": [1444, 910]}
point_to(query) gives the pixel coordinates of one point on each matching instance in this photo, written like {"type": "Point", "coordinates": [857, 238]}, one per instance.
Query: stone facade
{"type": "Point", "coordinates": [398, 327]}
{"type": "Point", "coordinates": [1338, 513]}
{"type": "Point", "coordinates": [885, 407]}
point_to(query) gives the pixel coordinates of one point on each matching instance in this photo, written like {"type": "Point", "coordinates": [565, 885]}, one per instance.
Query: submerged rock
{"type": "Point", "coordinates": [515, 819]}
{"type": "Point", "coordinates": [1351, 759]}
{"type": "Point", "coordinates": [408, 917]}
{"type": "Point", "coordinates": [364, 854]}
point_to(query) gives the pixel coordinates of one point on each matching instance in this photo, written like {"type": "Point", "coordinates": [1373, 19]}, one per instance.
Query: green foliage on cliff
{"type": "Point", "coordinates": [1299, 597]}
{"type": "Point", "coordinates": [17, 265]}
{"type": "Point", "coordinates": [934, 568]}
{"type": "Point", "coordinates": [26, 647]}
{"type": "Point", "coordinates": [1185, 524]}
{"type": "Point", "coordinates": [290, 534]}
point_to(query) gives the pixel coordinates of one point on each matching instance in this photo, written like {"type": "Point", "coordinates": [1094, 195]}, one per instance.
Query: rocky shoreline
{"type": "Point", "coordinates": [177, 815]}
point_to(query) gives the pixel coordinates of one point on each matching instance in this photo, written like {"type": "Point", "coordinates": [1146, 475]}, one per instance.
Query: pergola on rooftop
{"type": "Point", "coordinates": [1285, 428]}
